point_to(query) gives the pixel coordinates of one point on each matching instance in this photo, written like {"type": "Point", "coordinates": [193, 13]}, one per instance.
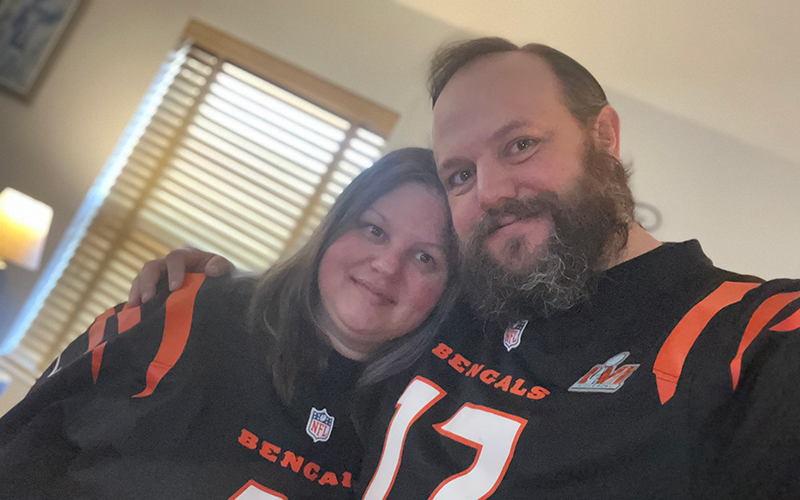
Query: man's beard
{"type": "Point", "coordinates": [589, 230]}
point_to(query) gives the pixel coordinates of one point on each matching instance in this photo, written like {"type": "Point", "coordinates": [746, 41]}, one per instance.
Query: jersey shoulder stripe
{"type": "Point", "coordinates": [789, 324]}
{"type": "Point", "coordinates": [98, 328]}
{"type": "Point", "coordinates": [96, 344]}
{"type": "Point", "coordinates": [760, 318]}
{"type": "Point", "coordinates": [164, 323]}
{"type": "Point", "coordinates": [177, 325]}
{"type": "Point", "coordinates": [126, 319]}
{"type": "Point", "coordinates": [672, 355]}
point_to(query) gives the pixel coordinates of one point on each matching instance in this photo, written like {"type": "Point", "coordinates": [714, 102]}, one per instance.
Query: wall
{"type": "Point", "coordinates": [54, 146]}
{"type": "Point", "coordinates": [739, 201]}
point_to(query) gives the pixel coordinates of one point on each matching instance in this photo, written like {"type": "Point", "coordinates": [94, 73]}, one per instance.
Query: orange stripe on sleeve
{"type": "Point", "coordinates": [128, 318]}
{"type": "Point", "coordinates": [765, 312]}
{"type": "Point", "coordinates": [177, 324]}
{"type": "Point", "coordinates": [98, 328]}
{"type": "Point", "coordinates": [96, 343]}
{"type": "Point", "coordinates": [789, 324]}
{"type": "Point", "coordinates": [670, 359]}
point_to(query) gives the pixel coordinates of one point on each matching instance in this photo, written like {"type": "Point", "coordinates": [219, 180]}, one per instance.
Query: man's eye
{"type": "Point", "coordinates": [461, 177]}
{"type": "Point", "coordinates": [424, 258]}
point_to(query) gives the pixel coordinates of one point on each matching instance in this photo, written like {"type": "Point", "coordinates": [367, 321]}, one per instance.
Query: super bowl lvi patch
{"type": "Point", "coordinates": [608, 377]}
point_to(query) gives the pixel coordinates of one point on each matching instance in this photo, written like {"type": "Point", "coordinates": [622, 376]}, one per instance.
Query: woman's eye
{"type": "Point", "coordinates": [375, 230]}
{"type": "Point", "coordinates": [522, 144]}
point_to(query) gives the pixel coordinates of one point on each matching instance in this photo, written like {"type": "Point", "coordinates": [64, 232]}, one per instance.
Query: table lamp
{"type": "Point", "coordinates": [24, 224]}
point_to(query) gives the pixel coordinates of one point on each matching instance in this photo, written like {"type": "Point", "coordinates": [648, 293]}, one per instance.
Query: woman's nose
{"type": "Point", "coordinates": [388, 262]}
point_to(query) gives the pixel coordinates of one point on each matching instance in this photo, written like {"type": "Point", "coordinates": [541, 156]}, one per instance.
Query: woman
{"type": "Point", "coordinates": [237, 388]}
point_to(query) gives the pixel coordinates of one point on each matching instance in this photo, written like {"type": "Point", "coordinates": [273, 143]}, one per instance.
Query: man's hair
{"type": "Point", "coordinates": [283, 312]}
{"type": "Point", "coordinates": [583, 95]}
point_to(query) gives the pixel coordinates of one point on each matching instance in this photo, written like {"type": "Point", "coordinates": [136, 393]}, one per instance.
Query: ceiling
{"type": "Point", "coordinates": [731, 65]}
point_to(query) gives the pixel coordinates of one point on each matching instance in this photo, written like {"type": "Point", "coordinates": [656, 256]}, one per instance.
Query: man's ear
{"type": "Point", "coordinates": [606, 131]}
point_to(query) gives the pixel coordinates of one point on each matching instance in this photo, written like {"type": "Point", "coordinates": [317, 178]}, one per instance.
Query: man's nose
{"type": "Point", "coordinates": [495, 184]}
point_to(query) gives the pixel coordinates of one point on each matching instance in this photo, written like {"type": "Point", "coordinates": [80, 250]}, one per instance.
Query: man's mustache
{"type": "Point", "coordinates": [520, 209]}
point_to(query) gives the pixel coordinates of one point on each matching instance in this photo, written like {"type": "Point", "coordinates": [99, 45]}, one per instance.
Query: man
{"type": "Point", "coordinates": [588, 359]}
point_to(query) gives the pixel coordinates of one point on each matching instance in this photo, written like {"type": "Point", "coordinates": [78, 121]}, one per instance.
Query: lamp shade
{"type": "Point", "coordinates": [24, 224]}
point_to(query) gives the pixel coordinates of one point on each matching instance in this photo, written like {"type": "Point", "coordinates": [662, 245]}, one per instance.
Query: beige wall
{"type": "Point", "coordinates": [54, 146]}
{"type": "Point", "coordinates": [739, 201]}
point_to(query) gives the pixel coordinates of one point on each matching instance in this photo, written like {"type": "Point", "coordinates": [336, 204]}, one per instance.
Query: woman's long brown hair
{"type": "Point", "coordinates": [286, 300]}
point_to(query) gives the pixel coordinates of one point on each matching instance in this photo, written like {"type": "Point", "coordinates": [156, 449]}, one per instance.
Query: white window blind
{"type": "Point", "coordinates": [228, 159]}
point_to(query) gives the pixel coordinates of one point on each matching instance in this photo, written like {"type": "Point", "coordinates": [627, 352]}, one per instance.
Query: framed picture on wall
{"type": "Point", "coordinates": [29, 32]}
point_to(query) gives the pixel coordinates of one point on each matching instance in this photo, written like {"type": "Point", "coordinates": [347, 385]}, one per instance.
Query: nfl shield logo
{"type": "Point", "coordinates": [320, 425]}
{"type": "Point", "coordinates": [513, 334]}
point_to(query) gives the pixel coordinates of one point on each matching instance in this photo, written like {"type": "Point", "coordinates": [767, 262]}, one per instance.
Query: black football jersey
{"type": "Point", "coordinates": [174, 400]}
{"type": "Point", "coordinates": [676, 380]}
